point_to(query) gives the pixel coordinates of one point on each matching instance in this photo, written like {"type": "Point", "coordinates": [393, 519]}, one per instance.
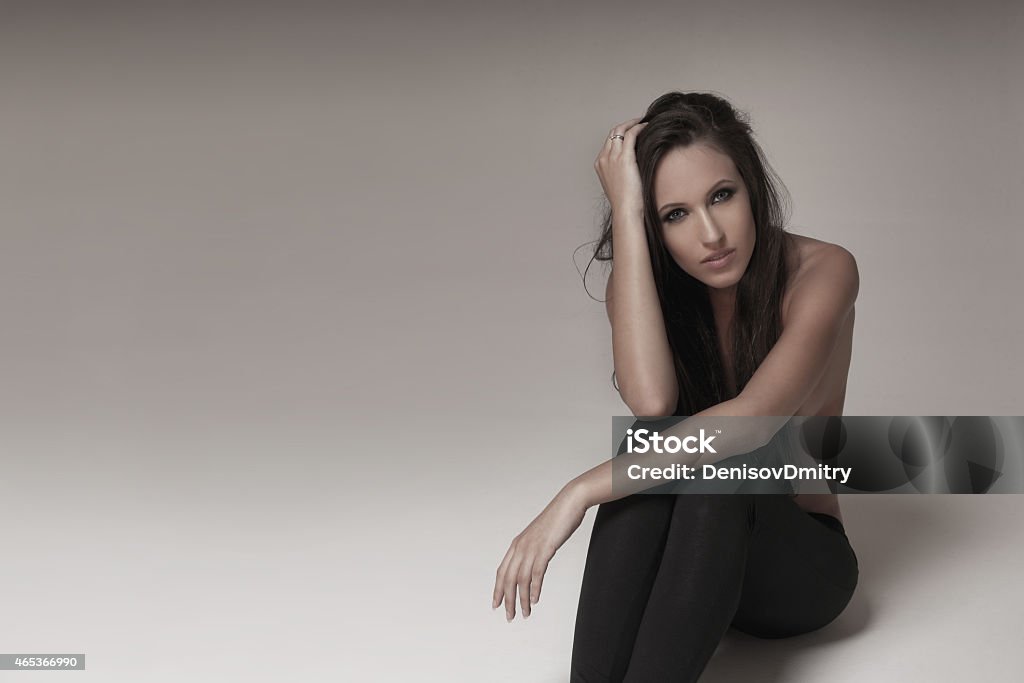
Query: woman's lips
{"type": "Point", "coordinates": [721, 262]}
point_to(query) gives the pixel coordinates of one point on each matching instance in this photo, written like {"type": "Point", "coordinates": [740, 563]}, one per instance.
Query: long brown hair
{"type": "Point", "coordinates": [679, 119]}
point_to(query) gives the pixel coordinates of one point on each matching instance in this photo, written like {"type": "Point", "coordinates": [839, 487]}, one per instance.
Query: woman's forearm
{"type": "Point", "coordinates": [612, 479]}
{"type": "Point", "coordinates": [643, 358]}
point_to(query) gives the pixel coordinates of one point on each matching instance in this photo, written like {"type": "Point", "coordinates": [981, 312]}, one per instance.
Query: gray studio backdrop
{"type": "Point", "coordinates": [294, 342]}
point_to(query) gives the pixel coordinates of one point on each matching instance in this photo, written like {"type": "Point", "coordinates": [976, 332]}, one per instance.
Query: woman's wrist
{"type": "Point", "coordinates": [577, 493]}
{"type": "Point", "coordinates": [628, 214]}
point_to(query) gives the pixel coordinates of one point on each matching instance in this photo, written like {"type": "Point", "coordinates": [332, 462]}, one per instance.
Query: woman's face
{"type": "Point", "coordinates": [704, 208]}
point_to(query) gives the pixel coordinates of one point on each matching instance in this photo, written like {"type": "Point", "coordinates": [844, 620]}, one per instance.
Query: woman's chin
{"type": "Point", "coordinates": [724, 281]}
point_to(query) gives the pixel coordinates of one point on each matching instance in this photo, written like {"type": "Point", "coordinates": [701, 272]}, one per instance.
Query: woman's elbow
{"type": "Point", "coordinates": [652, 407]}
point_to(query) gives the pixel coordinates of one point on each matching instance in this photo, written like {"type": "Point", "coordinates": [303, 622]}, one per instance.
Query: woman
{"type": "Point", "coordinates": [715, 312]}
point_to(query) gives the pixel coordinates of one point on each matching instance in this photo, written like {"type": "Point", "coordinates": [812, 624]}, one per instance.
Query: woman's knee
{"type": "Point", "coordinates": [715, 500]}
{"type": "Point", "coordinates": [716, 508]}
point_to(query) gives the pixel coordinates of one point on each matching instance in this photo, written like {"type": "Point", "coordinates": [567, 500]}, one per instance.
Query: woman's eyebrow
{"type": "Point", "coordinates": [710, 192]}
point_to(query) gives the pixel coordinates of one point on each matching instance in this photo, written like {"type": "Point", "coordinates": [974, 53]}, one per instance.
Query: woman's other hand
{"type": "Point", "coordinates": [527, 558]}
{"type": "Point", "coordinates": [617, 168]}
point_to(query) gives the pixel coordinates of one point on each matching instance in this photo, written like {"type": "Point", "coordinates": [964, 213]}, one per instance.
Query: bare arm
{"type": "Point", "coordinates": [643, 358]}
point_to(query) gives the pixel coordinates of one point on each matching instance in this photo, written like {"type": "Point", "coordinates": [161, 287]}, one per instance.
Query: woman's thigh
{"type": "Point", "coordinates": [800, 573]}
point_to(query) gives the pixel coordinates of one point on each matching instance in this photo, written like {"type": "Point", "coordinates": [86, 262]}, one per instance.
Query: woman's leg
{"type": "Point", "coordinates": [666, 575]}
{"type": "Point", "coordinates": [801, 571]}
{"type": "Point", "coordinates": [697, 588]}
{"type": "Point", "coordinates": [626, 547]}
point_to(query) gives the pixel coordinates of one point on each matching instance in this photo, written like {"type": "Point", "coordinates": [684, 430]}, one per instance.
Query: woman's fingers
{"type": "Point", "coordinates": [627, 150]}
{"type": "Point", "coordinates": [499, 579]}
{"type": "Point", "coordinates": [622, 128]}
{"type": "Point", "coordinates": [540, 568]}
{"type": "Point", "coordinates": [511, 576]}
{"type": "Point", "coordinates": [629, 143]}
{"type": "Point", "coordinates": [530, 578]}
{"type": "Point", "coordinates": [611, 140]}
{"type": "Point", "coordinates": [520, 576]}
{"type": "Point", "coordinates": [525, 577]}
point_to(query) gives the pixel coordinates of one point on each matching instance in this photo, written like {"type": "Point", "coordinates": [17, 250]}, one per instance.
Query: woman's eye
{"type": "Point", "coordinates": [720, 196]}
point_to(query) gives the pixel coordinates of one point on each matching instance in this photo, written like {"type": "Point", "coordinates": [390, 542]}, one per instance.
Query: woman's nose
{"type": "Point", "coordinates": [710, 232]}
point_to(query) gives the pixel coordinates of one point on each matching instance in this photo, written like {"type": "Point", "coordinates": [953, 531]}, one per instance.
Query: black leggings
{"type": "Point", "coordinates": [667, 575]}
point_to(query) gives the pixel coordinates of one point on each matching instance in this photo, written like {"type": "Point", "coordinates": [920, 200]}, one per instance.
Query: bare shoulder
{"type": "Point", "coordinates": [807, 254]}
{"type": "Point", "coordinates": [820, 270]}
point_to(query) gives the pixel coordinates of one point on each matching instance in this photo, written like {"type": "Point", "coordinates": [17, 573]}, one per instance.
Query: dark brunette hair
{"type": "Point", "coordinates": [679, 119]}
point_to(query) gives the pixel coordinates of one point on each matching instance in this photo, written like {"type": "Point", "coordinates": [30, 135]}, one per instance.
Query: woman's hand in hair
{"type": "Point", "coordinates": [527, 558]}
{"type": "Point", "coordinates": [617, 168]}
